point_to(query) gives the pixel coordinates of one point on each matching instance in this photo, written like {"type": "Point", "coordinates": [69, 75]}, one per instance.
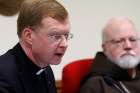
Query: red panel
{"type": "Point", "coordinates": [73, 73]}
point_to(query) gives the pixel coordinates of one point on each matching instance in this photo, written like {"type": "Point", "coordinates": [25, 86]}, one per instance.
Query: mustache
{"type": "Point", "coordinates": [130, 53]}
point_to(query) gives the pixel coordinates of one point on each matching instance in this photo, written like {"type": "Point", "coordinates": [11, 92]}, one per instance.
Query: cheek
{"type": "Point", "coordinates": [39, 44]}
{"type": "Point", "coordinates": [47, 48]}
{"type": "Point", "coordinates": [114, 52]}
{"type": "Point", "coordinates": [137, 50]}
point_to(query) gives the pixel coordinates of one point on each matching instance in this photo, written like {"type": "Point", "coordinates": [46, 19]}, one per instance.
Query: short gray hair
{"type": "Point", "coordinates": [110, 23]}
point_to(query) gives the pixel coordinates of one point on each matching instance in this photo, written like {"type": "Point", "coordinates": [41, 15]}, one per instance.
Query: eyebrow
{"type": "Point", "coordinates": [124, 37]}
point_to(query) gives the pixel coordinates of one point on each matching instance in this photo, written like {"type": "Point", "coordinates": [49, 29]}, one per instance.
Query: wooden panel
{"type": "Point", "coordinates": [58, 85]}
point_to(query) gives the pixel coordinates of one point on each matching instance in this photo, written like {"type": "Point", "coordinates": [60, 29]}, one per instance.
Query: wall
{"type": "Point", "coordinates": [87, 20]}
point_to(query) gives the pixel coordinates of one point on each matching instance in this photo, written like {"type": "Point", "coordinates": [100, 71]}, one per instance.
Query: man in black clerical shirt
{"type": "Point", "coordinates": [43, 29]}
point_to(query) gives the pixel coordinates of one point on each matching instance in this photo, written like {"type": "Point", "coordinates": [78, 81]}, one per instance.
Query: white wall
{"type": "Point", "coordinates": [87, 20]}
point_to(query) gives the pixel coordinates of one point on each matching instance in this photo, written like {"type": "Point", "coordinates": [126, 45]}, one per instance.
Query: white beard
{"type": "Point", "coordinates": [128, 61]}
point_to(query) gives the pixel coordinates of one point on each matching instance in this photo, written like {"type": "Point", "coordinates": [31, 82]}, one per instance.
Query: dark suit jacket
{"type": "Point", "coordinates": [18, 74]}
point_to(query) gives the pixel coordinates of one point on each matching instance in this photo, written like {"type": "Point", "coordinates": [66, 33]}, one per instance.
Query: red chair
{"type": "Point", "coordinates": [73, 73]}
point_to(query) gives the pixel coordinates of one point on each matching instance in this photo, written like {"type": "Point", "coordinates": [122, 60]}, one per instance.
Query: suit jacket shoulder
{"type": "Point", "coordinates": [8, 74]}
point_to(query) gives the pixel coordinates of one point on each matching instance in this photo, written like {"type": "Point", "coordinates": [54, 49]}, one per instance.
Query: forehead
{"type": "Point", "coordinates": [121, 30]}
{"type": "Point", "coordinates": [51, 21]}
{"type": "Point", "coordinates": [50, 24]}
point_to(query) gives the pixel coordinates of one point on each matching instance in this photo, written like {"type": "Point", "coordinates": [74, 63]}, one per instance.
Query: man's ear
{"type": "Point", "coordinates": [27, 35]}
{"type": "Point", "coordinates": [103, 47]}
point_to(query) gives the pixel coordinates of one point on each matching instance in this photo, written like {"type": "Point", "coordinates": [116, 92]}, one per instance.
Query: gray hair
{"type": "Point", "coordinates": [113, 21]}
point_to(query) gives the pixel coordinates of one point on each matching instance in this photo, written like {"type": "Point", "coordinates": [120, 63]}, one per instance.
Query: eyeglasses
{"type": "Point", "coordinates": [121, 42]}
{"type": "Point", "coordinates": [58, 37]}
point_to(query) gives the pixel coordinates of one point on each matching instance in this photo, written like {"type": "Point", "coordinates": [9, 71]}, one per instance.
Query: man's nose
{"type": "Point", "coordinates": [63, 42]}
{"type": "Point", "coordinates": [127, 45]}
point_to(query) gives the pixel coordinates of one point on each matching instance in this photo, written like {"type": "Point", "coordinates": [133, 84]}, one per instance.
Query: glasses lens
{"type": "Point", "coordinates": [69, 36]}
{"type": "Point", "coordinates": [58, 37]}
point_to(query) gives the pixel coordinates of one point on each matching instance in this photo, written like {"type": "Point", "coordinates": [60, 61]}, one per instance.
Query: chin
{"type": "Point", "coordinates": [56, 62]}
{"type": "Point", "coordinates": [128, 62]}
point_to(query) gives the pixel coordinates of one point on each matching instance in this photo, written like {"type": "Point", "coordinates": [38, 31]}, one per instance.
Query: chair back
{"type": "Point", "coordinates": [73, 73]}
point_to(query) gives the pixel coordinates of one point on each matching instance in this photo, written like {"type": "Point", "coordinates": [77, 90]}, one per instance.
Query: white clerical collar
{"type": "Point", "coordinates": [40, 71]}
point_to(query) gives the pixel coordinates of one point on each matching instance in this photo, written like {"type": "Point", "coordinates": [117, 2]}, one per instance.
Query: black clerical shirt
{"type": "Point", "coordinates": [32, 82]}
